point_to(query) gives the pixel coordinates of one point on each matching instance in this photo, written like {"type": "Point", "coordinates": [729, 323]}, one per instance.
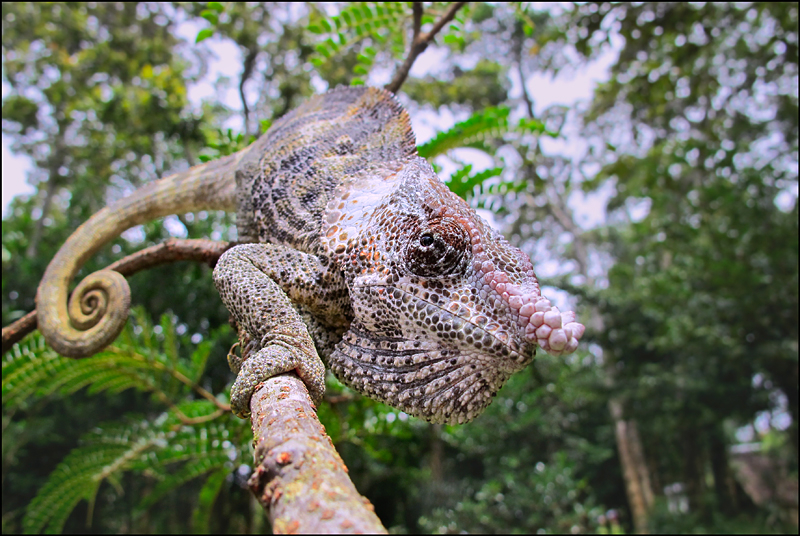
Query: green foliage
{"type": "Point", "coordinates": [541, 442]}
{"type": "Point", "coordinates": [484, 125]}
{"type": "Point", "coordinates": [702, 298]}
{"type": "Point", "coordinates": [484, 130]}
{"type": "Point", "coordinates": [34, 370]}
{"type": "Point", "coordinates": [228, 143]}
{"type": "Point", "coordinates": [664, 521]}
{"type": "Point", "coordinates": [464, 183]}
{"type": "Point", "coordinates": [21, 110]}
{"type": "Point", "coordinates": [486, 85]}
{"type": "Point", "coordinates": [456, 36]}
{"type": "Point", "coordinates": [211, 14]}
{"type": "Point", "coordinates": [478, 132]}
{"type": "Point", "coordinates": [190, 439]}
{"type": "Point", "coordinates": [375, 23]}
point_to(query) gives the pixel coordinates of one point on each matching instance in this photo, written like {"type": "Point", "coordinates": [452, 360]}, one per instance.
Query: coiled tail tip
{"type": "Point", "coordinates": [97, 312]}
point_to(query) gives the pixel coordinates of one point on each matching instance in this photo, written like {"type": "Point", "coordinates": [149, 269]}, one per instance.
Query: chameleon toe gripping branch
{"type": "Point", "coordinates": [355, 252]}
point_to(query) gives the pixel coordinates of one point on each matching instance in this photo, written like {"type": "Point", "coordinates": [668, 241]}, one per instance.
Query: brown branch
{"type": "Point", "coordinates": [172, 250]}
{"type": "Point", "coordinates": [249, 63]}
{"type": "Point", "coordinates": [300, 479]}
{"type": "Point", "coordinates": [558, 208]}
{"type": "Point", "coordinates": [420, 42]}
{"type": "Point", "coordinates": [525, 96]}
{"type": "Point", "coordinates": [418, 11]}
{"type": "Point", "coordinates": [16, 331]}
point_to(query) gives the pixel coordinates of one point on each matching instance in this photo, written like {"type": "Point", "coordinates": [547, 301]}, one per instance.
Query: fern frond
{"type": "Point", "coordinates": [193, 442]}
{"type": "Point", "coordinates": [77, 477]}
{"type": "Point", "coordinates": [374, 20]}
{"type": "Point", "coordinates": [211, 461]}
{"type": "Point", "coordinates": [199, 358]}
{"type": "Point", "coordinates": [139, 359]}
{"type": "Point", "coordinates": [204, 447]}
{"type": "Point", "coordinates": [134, 444]}
{"type": "Point", "coordinates": [464, 184]}
{"type": "Point", "coordinates": [36, 370]}
{"type": "Point", "coordinates": [208, 495]}
{"type": "Point", "coordinates": [485, 124]}
{"type": "Point", "coordinates": [191, 435]}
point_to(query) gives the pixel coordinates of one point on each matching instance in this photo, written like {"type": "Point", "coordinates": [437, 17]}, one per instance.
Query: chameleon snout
{"type": "Point", "coordinates": [539, 321]}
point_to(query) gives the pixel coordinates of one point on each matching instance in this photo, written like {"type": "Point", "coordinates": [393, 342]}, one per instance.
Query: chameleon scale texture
{"type": "Point", "coordinates": [407, 293]}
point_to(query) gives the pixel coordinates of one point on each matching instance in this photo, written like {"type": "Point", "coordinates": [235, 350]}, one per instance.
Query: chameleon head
{"type": "Point", "coordinates": [445, 308]}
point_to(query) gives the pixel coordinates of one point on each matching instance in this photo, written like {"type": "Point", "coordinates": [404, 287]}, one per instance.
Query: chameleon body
{"type": "Point", "coordinates": [357, 252]}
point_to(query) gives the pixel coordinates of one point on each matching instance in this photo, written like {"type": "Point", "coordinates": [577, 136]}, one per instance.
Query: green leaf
{"type": "Point", "coordinates": [323, 49]}
{"type": "Point", "coordinates": [216, 6]}
{"type": "Point", "coordinates": [332, 45]}
{"type": "Point", "coordinates": [531, 125]}
{"type": "Point", "coordinates": [204, 34]}
{"type": "Point", "coordinates": [210, 16]}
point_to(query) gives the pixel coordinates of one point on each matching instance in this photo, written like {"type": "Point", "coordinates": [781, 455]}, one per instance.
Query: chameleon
{"type": "Point", "coordinates": [352, 250]}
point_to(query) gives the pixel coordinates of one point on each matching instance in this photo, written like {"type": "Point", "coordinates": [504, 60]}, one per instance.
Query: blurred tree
{"type": "Point", "coordinates": [699, 124]}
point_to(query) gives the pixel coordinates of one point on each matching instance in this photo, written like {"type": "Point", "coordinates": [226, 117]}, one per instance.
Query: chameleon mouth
{"type": "Point", "coordinates": [475, 331]}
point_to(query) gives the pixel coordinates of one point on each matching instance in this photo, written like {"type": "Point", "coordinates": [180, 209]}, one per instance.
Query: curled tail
{"type": "Point", "coordinates": [99, 305]}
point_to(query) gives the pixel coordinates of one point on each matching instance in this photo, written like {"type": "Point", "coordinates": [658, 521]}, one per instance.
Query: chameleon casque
{"type": "Point", "coordinates": [354, 250]}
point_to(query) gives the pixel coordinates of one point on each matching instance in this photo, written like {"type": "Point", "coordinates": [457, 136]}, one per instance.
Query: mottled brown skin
{"type": "Point", "coordinates": [359, 254]}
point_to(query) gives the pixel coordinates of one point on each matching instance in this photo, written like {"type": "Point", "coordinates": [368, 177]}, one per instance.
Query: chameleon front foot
{"type": "Point", "coordinates": [271, 361]}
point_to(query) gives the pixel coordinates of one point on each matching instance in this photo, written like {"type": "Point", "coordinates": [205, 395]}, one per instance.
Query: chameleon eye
{"type": "Point", "coordinates": [438, 250]}
{"type": "Point", "coordinates": [426, 240]}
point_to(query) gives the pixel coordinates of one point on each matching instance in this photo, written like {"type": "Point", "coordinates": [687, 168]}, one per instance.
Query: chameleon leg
{"type": "Point", "coordinates": [247, 278]}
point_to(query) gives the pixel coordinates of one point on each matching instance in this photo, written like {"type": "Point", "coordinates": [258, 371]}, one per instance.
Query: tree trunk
{"type": "Point", "coordinates": [634, 469]}
{"type": "Point", "coordinates": [639, 461]}
{"type": "Point", "coordinates": [437, 453]}
{"type": "Point", "coordinates": [693, 470]}
{"type": "Point", "coordinates": [36, 236]}
{"type": "Point", "coordinates": [724, 486]}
